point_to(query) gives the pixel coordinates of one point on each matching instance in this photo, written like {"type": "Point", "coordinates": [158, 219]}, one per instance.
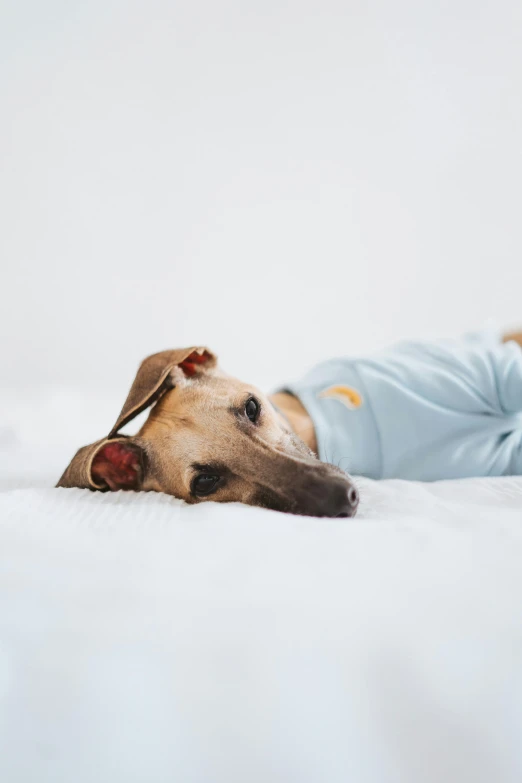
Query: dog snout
{"type": "Point", "coordinates": [340, 500]}
{"type": "Point", "coordinates": [315, 489]}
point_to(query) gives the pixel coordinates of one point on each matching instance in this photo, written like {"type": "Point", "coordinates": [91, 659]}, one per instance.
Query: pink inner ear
{"type": "Point", "coordinates": [118, 465]}
{"type": "Point", "coordinates": [188, 365]}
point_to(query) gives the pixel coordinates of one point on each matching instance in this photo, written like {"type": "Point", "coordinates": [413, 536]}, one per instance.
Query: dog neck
{"type": "Point", "coordinates": [296, 415]}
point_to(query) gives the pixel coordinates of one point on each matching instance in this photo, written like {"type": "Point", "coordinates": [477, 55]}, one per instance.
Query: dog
{"type": "Point", "coordinates": [211, 437]}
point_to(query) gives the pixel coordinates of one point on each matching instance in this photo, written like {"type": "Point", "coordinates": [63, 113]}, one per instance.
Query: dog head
{"type": "Point", "coordinates": [209, 437]}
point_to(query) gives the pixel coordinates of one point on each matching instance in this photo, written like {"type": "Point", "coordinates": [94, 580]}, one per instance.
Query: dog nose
{"type": "Point", "coordinates": [340, 499]}
{"type": "Point", "coordinates": [349, 503]}
{"type": "Point", "coordinates": [326, 496]}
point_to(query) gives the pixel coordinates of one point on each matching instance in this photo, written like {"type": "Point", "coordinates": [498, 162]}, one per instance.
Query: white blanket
{"type": "Point", "coordinates": [145, 640]}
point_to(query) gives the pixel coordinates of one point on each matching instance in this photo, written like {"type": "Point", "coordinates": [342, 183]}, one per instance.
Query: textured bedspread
{"type": "Point", "coordinates": [145, 640]}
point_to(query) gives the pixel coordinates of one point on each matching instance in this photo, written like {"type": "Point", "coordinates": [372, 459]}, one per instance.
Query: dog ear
{"type": "Point", "coordinates": [118, 462]}
{"type": "Point", "coordinates": [154, 378]}
{"type": "Point", "coordinates": [107, 464]}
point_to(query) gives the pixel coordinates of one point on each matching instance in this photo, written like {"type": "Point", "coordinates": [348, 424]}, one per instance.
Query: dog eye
{"type": "Point", "coordinates": [252, 409]}
{"type": "Point", "coordinates": [204, 484]}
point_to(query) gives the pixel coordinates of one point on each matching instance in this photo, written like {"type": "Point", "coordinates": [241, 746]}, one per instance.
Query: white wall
{"type": "Point", "coordinates": [279, 180]}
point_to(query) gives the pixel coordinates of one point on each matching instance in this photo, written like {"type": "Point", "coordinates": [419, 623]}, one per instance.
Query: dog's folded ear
{"type": "Point", "coordinates": [107, 464]}
{"type": "Point", "coordinates": [154, 378]}
{"type": "Point", "coordinates": [117, 462]}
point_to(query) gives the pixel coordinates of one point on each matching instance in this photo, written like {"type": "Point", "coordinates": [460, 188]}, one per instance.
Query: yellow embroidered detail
{"type": "Point", "coordinates": [345, 394]}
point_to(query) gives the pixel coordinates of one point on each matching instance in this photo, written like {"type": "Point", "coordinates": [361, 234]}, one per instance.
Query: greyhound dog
{"type": "Point", "coordinates": [210, 436]}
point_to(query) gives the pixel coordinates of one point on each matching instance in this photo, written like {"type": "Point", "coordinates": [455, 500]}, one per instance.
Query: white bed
{"type": "Point", "coordinates": [145, 640]}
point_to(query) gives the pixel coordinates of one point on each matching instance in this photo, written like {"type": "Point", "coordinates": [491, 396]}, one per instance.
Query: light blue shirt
{"type": "Point", "coordinates": [420, 410]}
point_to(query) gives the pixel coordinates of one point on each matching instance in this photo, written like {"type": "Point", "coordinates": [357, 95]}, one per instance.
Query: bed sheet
{"type": "Point", "coordinates": [142, 639]}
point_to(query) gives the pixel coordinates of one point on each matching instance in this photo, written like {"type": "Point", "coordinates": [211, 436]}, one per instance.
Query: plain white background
{"type": "Point", "coordinates": [282, 181]}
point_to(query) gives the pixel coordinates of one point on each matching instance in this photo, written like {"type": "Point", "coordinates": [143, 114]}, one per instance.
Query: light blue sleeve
{"type": "Point", "coordinates": [447, 408]}
{"type": "Point", "coordinates": [506, 361]}
{"type": "Point", "coordinates": [476, 374]}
